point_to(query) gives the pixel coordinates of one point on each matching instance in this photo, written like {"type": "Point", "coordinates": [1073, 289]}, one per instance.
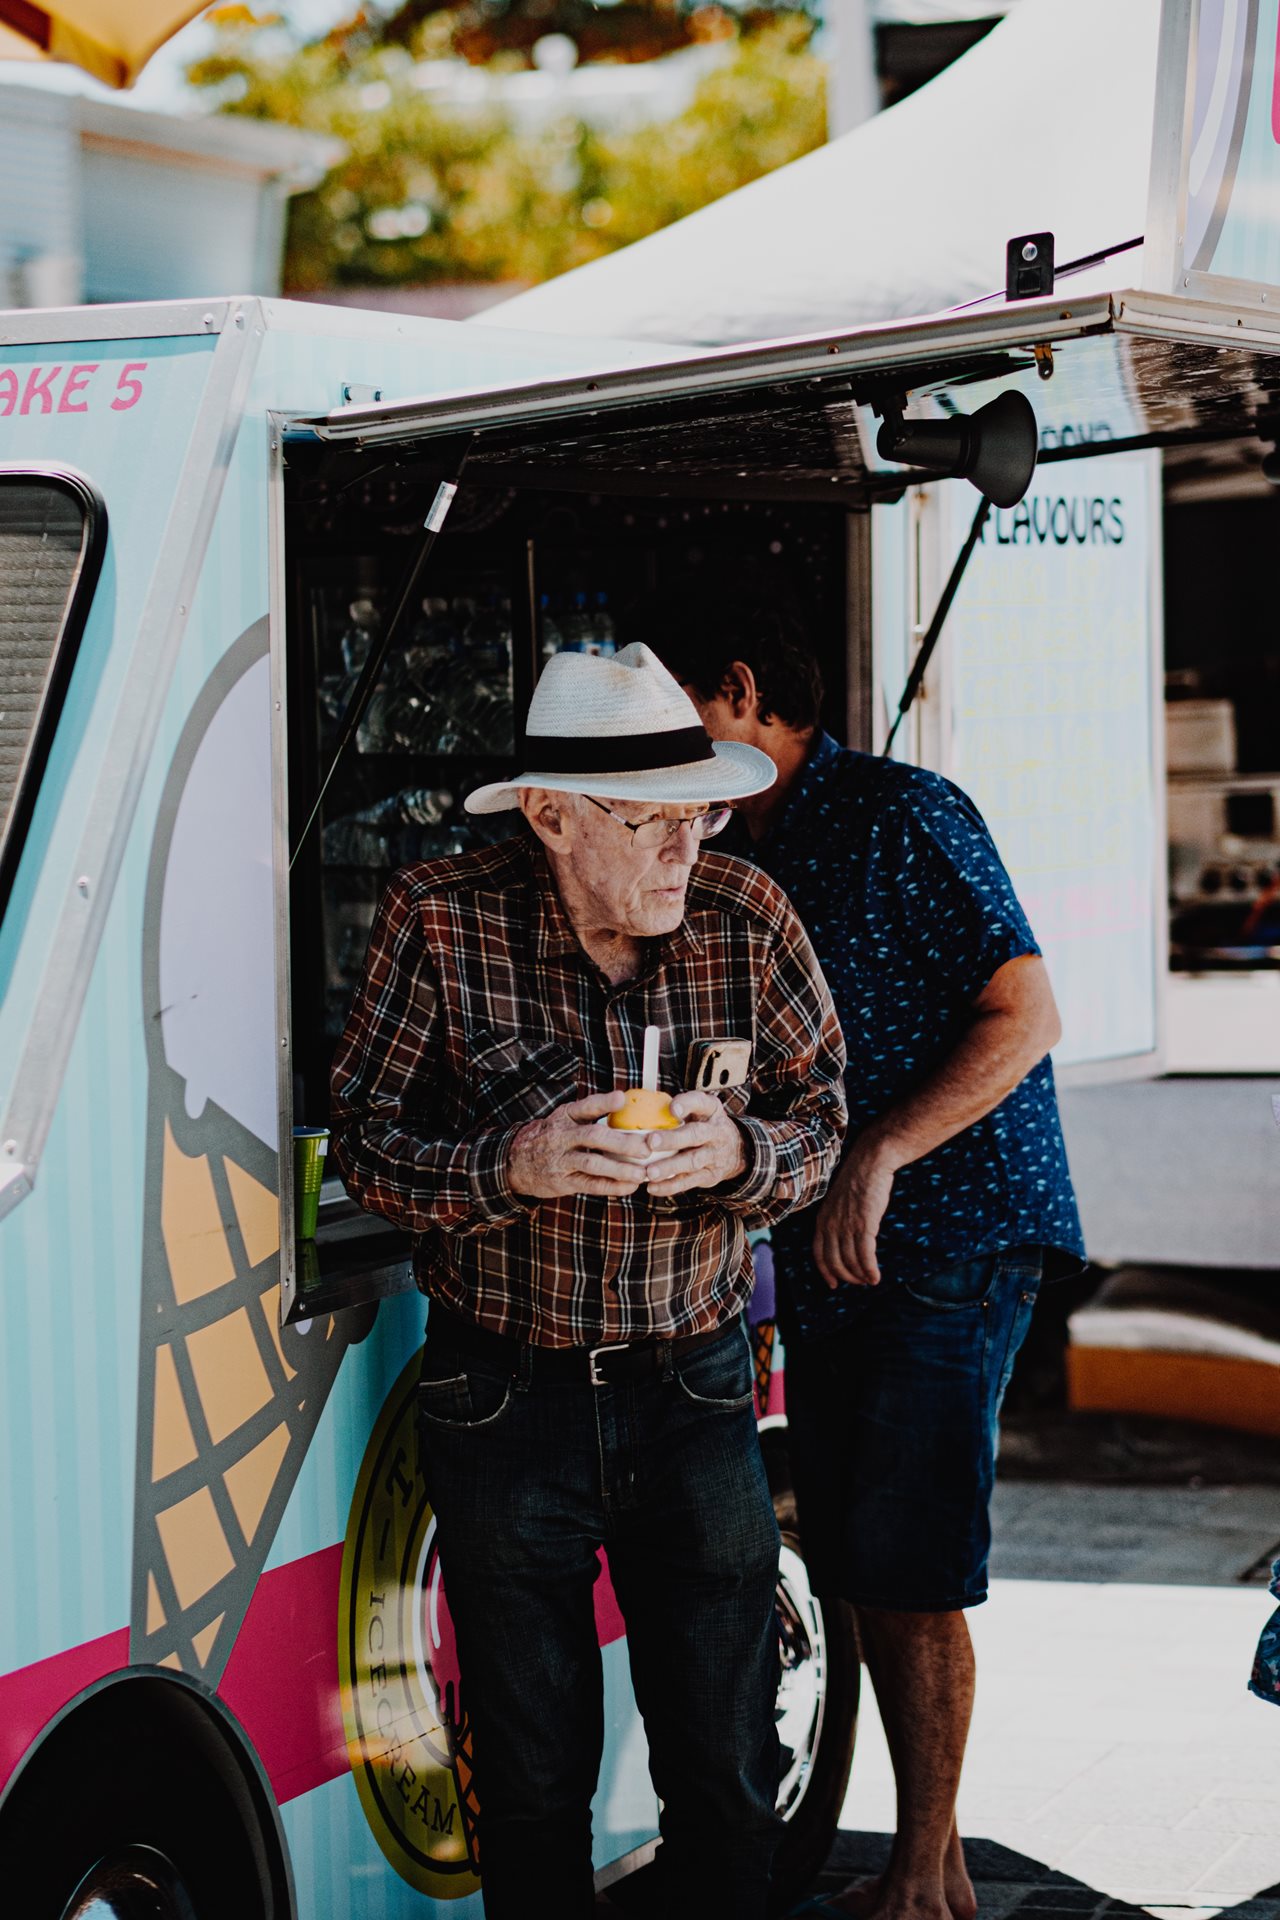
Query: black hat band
{"type": "Point", "coordinates": [619, 752]}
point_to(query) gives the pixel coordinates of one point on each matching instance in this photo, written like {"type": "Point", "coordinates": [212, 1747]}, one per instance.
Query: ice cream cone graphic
{"type": "Point", "coordinates": [762, 1344]}
{"type": "Point", "coordinates": [228, 1399]}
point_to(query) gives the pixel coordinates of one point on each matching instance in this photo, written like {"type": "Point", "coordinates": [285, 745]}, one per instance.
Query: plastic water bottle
{"type": "Point", "coordinates": [577, 627]}
{"type": "Point", "coordinates": [605, 640]}
{"type": "Point", "coordinates": [552, 638]}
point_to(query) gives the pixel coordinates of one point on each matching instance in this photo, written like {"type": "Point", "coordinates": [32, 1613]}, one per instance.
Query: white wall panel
{"type": "Point", "coordinates": [164, 232]}
{"type": "Point", "coordinates": [39, 185]}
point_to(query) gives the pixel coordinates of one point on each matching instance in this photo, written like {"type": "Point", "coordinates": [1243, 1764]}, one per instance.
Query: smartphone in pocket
{"type": "Point", "coordinates": [714, 1064]}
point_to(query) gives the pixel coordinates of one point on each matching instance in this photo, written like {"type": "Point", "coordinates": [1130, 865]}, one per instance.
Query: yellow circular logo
{"type": "Point", "coordinates": [408, 1740]}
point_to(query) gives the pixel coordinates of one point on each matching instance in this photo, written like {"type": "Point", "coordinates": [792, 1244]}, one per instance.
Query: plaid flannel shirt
{"type": "Point", "coordinates": [479, 1011]}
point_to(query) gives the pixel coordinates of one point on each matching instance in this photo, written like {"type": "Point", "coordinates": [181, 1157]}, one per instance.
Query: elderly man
{"type": "Point", "coordinates": [586, 1381]}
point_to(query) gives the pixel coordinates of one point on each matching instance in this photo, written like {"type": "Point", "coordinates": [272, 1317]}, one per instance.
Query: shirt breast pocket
{"type": "Point", "coordinates": [510, 1079]}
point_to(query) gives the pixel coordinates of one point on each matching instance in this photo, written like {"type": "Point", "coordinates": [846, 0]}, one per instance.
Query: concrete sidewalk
{"type": "Point", "coordinates": [1116, 1756]}
{"type": "Point", "coordinates": [1219, 1536]}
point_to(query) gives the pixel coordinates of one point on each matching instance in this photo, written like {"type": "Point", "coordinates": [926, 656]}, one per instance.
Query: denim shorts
{"type": "Point", "coordinates": [893, 1425]}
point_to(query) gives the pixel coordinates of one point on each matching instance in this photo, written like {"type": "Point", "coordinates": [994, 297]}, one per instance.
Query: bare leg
{"type": "Point", "coordinates": [922, 1669]}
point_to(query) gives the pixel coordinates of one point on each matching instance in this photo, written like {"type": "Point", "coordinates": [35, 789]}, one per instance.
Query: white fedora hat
{"type": "Point", "coordinates": [624, 729]}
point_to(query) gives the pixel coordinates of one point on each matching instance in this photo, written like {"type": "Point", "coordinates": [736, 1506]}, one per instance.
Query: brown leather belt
{"type": "Point", "coordinates": [600, 1366]}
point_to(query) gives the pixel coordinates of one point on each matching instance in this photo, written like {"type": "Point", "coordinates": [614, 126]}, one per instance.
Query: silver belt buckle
{"type": "Point", "coordinates": [598, 1379]}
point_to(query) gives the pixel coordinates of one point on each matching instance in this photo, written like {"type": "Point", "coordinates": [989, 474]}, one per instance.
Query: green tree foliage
{"type": "Point", "coordinates": [426, 193]}
{"type": "Point", "coordinates": [617, 30]}
{"type": "Point", "coordinates": [765, 107]}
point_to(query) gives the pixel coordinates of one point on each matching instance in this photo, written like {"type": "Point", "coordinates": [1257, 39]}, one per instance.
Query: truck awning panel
{"type": "Point", "coordinates": [799, 416]}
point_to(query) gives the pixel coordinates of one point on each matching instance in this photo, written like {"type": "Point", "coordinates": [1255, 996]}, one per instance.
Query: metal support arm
{"type": "Point", "coordinates": [371, 672]}
{"type": "Point", "coordinates": [932, 637]}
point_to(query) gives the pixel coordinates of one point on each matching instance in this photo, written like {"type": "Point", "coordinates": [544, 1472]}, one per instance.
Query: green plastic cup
{"type": "Point", "coordinates": [310, 1145]}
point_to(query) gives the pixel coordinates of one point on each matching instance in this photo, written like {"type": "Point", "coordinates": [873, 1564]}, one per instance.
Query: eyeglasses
{"type": "Point", "coordinates": [659, 832]}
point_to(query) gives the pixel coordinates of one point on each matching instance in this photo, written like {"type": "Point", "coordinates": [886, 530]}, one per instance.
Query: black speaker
{"type": "Point", "coordinates": [994, 448]}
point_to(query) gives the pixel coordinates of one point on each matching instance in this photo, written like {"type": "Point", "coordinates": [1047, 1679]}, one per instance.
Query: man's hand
{"type": "Point", "coordinates": [709, 1151]}
{"type": "Point", "coordinates": [844, 1242]}
{"type": "Point", "coordinates": [1012, 1025]}
{"type": "Point", "coordinates": [566, 1152]}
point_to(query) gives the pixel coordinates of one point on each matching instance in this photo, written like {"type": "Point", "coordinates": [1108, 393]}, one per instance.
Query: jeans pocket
{"type": "Point", "coordinates": [464, 1402]}
{"type": "Point", "coordinates": [967, 1285]}
{"type": "Point", "coordinates": [719, 1376]}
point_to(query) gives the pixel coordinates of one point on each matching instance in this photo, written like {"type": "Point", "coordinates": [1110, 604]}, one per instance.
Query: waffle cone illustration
{"type": "Point", "coordinates": [762, 1343]}
{"type": "Point", "coordinates": [228, 1399]}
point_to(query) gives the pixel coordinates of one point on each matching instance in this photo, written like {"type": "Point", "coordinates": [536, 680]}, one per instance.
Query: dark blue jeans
{"type": "Point", "coordinates": [527, 1481]}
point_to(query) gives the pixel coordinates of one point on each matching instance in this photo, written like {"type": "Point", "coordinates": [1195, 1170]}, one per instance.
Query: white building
{"type": "Point", "coordinates": [100, 201]}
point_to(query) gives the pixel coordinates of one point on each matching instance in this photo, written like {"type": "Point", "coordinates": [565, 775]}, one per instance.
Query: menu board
{"type": "Point", "coordinates": [1050, 687]}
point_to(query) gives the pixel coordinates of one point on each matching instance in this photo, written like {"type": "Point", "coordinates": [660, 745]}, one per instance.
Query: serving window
{"type": "Point", "coordinates": [1222, 686]}
{"type": "Point", "coordinates": [580, 492]}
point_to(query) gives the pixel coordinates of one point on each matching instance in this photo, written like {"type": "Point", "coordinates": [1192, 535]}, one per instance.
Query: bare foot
{"type": "Point", "coordinates": [961, 1898]}
{"type": "Point", "coordinates": [878, 1900]}
{"type": "Point", "coordinates": [881, 1898]}
{"type": "Point", "coordinates": [858, 1898]}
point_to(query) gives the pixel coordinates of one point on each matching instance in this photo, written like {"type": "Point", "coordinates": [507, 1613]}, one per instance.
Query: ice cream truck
{"type": "Point", "coordinates": [227, 1672]}
{"type": "Point", "coordinates": [222, 1606]}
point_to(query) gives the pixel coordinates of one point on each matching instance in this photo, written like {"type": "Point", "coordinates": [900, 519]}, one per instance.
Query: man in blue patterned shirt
{"type": "Point", "coordinates": [904, 1298]}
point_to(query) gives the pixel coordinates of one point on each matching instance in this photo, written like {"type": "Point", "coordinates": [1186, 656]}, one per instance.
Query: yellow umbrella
{"type": "Point", "coordinates": [111, 39]}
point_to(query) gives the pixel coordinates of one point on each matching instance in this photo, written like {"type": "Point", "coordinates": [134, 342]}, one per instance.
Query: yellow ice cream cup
{"type": "Point", "coordinates": [644, 1111]}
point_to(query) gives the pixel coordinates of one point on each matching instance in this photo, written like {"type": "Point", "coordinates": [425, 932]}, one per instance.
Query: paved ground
{"type": "Point", "coordinates": [1181, 1536]}
{"type": "Point", "coordinates": [1116, 1757]}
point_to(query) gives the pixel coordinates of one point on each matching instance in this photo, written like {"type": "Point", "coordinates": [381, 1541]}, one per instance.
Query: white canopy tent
{"type": "Point", "coordinates": [1044, 125]}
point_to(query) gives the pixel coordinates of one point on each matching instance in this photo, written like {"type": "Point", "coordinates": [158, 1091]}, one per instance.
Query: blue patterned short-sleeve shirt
{"type": "Point", "coordinates": [910, 910]}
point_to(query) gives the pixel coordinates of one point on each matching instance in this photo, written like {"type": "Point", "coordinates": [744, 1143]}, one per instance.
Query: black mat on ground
{"type": "Point", "coordinates": [1009, 1883]}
